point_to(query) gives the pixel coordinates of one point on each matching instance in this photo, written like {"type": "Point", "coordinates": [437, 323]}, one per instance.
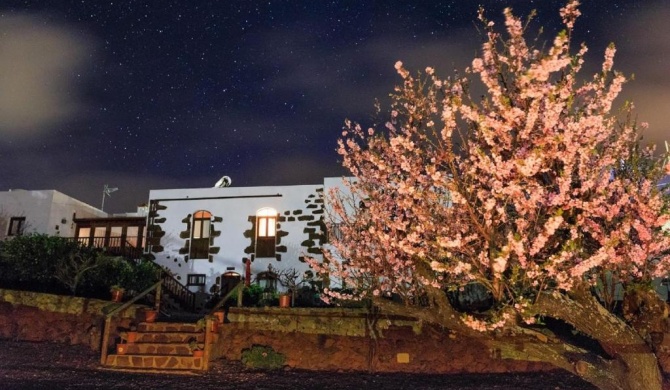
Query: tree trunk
{"type": "Point", "coordinates": [634, 365]}
{"type": "Point", "coordinates": [631, 364]}
{"type": "Point", "coordinates": [642, 372]}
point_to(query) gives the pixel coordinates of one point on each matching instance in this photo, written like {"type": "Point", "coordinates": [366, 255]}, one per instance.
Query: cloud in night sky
{"type": "Point", "coordinates": [141, 96]}
{"type": "Point", "coordinates": [37, 68]}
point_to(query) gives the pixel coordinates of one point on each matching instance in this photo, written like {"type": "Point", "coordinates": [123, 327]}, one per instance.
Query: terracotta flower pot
{"type": "Point", "coordinates": [198, 353]}
{"type": "Point", "coordinates": [284, 301]}
{"type": "Point", "coordinates": [117, 295]}
{"type": "Point", "coordinates": [150, 315]}
{"type": "Point", "coordinates": [131, 337]}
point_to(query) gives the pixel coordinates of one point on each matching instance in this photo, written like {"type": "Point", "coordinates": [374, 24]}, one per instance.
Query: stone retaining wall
{"type": "Point", "coordinates": [31, 316]}
{"type": "Point", "coordinates": [316, 339]}
{"type": "Point", "coordinates": [400, 344]}
{"type": "Point", "coordinates": [343, 339]}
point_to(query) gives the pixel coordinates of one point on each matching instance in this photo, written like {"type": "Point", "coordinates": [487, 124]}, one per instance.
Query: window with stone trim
{"type": "Point", "coordinates": [200, 232]}
{"type": "Point", "coordinates": [16, 226]}
{"type": "Point", "coordinates": [266, 232]}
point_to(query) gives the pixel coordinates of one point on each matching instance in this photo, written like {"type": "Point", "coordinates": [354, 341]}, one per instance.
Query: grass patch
{"type": "Point", "coordinates": [263, 357]}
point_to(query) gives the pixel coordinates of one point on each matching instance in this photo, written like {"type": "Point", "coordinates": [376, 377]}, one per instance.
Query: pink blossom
{"type": "Point", "coordinates": [515, 189]}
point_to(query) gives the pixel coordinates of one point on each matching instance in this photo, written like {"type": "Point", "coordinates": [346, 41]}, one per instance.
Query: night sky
{"type": "Point", "coordinates": [146, 95]}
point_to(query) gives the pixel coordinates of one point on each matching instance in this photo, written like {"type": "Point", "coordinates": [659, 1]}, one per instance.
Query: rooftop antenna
{"type": "Point", "coordinates": [107, 191]}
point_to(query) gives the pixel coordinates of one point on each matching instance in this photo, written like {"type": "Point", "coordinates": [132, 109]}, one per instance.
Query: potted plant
{"type": "Point", "coordinates": [220, 315]}
{"type": "Point", "coordinates": [126, 337]}
{"type": "Point", "coordinates": [200, 325]}
{"type": "Point", "coordinates": [150, 314]}
{"type": "Point", "coordinates": [117, 292]}
{"type": "Point", "coordinates": [197, 350]}
{"type": "Point", "coordinates": [285, 300]}
{"type": "Point", "coordinates": [129, 336]}
{"type": "Point", "coordinates": [289, 278]}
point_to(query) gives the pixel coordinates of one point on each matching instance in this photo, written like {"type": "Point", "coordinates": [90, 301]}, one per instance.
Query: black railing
{"type": "Point", "coordinates": [178, 291]}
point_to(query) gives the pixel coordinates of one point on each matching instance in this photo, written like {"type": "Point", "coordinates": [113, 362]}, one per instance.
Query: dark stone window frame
{"type": "Point", "coordinates": [16, 226]}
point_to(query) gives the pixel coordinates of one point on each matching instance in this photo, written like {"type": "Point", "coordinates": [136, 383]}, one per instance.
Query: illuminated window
{"type": "Point", "coordinates": [200, 232]}
{"type": "Point", "coordinates": [115, 237]}
{"type": "Point", "coordinates": [16, 226]}
{"type": "Point", "coordinates": [132, 233]}
{"type": "Point", "coordinates": [84, 235]}
{"type": "Point", "coordinates": [266, 232]}
{"type": "Point", "coordinates": [99, 233]}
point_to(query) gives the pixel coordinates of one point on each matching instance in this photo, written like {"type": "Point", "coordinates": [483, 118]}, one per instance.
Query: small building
{"type": "Point", "coordinates": [42, 211]}
{"type": "Point", "coordinates": [200, 235]}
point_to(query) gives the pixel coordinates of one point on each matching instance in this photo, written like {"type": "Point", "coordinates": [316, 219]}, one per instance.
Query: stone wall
{"type": "Point", "coordinates": [343, 339]}
{"type": "Point", "coordinates": [314, 339]}
{"type": "Point", "coordinates": [31, 316]}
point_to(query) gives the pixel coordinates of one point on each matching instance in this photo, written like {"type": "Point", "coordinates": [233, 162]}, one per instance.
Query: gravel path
{"type": "Point", "coordinates": [25, 365]}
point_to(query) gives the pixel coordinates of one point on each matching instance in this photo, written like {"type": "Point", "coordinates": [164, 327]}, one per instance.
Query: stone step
{"type": "Point", "coordinates": [166, 327]}
{"type": "Point", "coordinates": [158, 362]}
{"type": "Point", "coordinates": [177, 349]}
{"type": "Point", "coordinates": [169, 337]}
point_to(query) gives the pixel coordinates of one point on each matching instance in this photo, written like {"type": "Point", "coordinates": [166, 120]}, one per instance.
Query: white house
{"type": "Point", "coordinates": [43, 211]}
{"type": "Point", "coordinates": [200, 234]}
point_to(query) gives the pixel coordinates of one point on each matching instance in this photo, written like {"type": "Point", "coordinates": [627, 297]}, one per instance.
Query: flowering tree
{"type": "Point", "coordinates": [537, 192]}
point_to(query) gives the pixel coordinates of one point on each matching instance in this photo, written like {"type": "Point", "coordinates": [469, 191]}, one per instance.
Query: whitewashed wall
{"type": "Point", "coordinates": [297, 207]}
{"type": "Point", "coordinates": [46, 211]}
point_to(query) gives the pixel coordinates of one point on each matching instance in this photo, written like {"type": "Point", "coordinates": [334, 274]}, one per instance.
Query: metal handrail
{"type": "Point", "coordinates": [112, 313]}
{"type": "Point", "coordinates": [239, 288]}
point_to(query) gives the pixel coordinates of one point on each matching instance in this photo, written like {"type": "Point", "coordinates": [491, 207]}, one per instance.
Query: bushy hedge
{"type": "Point", "coordinates": [52, 264]}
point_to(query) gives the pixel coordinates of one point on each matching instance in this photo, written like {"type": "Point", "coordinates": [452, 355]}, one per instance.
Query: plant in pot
{"type": "Point", "coordinates": [291, 278]}
{"type": "Point", "coordinates": [220, 316]}
{"type": "Point", "coordinates": [150, 314]}
{"type": "Point", "coordinates": [117, 292]}
{"type": "Point", "coordinates": [201, 323]}
{"type": "Point", "coordinates": [129, 336]}
{"type": "Point", "coordinates": [285, 299]}
{"type": "Point", "coordinates": [126, 337]}
{"type": "Point", "coordinates": [197, 349]}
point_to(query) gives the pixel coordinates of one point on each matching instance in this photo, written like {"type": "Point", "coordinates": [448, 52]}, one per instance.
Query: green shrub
{"type": "Point", "coordinates": [263, 357]}
{"type": "Point", "coordinates": [30, 261]}
{"type": "Point", "coordinates": [111, 271]}
{"type": "Point", "coordinates": [117, 271]}
{"type": "Point", "coordinates": [72, 268]}
{"type": "Point", "coordinates": [252, 295]}
{"type": "Point", "coordinates": [143, 274]}
{"type": "Point", "coordinates": [56, 265]}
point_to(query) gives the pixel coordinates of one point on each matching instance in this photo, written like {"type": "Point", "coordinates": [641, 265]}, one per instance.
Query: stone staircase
{"type": "Point", "coordinates": [160, 346]}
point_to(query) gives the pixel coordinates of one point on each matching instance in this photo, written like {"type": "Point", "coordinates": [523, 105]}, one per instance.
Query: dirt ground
{"type": "Point", "coordinates": [26, 365]}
